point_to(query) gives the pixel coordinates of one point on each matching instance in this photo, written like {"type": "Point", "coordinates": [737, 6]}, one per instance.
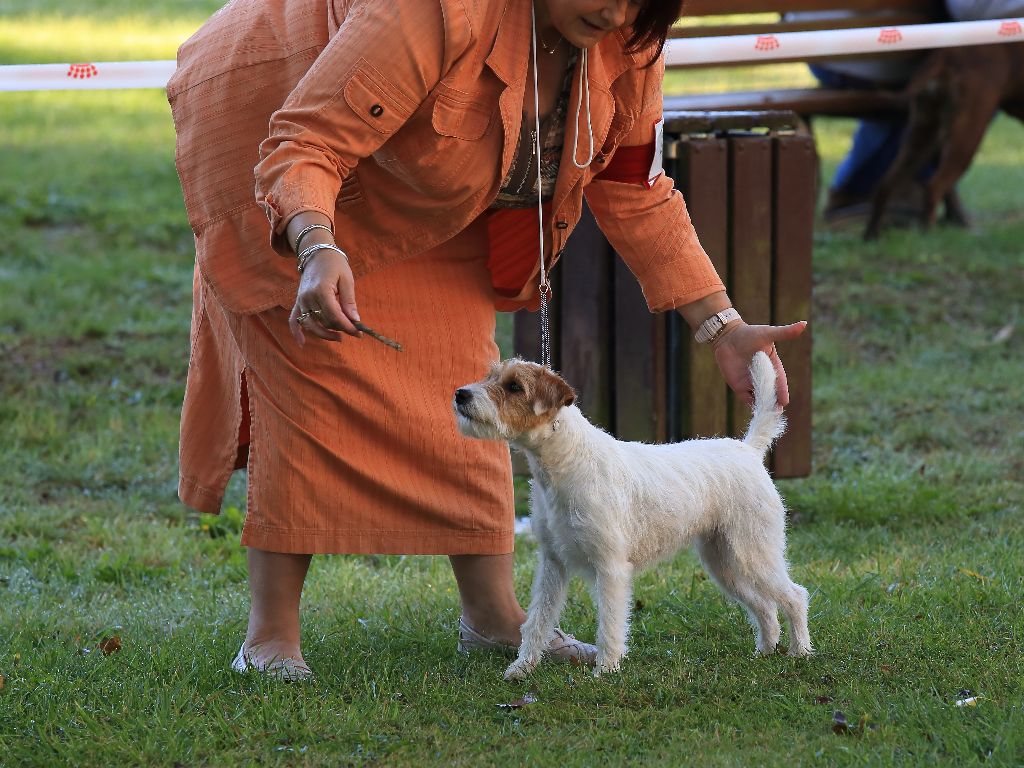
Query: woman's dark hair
{"type": "Point", "coordinates": [652, 24]}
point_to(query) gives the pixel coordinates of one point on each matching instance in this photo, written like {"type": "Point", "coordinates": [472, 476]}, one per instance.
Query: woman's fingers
{"type": "Point", "coordinates": [326, 303]}
{"type": "Point", "coordinates": [786, 332]}
{"type": "Point", "coordinates": [781, 382]}
{"type": "Point", "coordinates": [738, 348]}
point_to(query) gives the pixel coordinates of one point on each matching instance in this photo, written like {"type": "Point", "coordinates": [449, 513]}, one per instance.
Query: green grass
{"type": "Point", "coordinates": [908, 533]}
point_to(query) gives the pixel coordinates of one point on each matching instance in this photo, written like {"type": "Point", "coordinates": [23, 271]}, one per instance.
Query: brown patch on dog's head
{"type": "Point", "coordinates": [526, 395]}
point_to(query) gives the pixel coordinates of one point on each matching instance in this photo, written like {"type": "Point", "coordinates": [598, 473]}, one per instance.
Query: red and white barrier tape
{"type": "Point", "coordinates": [697, 50]}
{"type": "Point", "coordinates": [803, 45]}
{"type": "Point", "coordinates": [106, 75]}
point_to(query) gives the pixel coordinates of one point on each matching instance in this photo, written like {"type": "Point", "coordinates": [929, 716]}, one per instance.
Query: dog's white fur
{"type": "Point", "coordinates": [606, 508]}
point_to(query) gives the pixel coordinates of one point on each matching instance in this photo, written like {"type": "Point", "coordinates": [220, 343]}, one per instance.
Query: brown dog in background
{"type": "Point", "coordinates": [953, 98]}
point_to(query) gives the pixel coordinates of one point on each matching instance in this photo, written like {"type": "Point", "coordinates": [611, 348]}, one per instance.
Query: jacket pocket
{"type": "Point", "coordinates": [458, 115]}
{"type": "Point", "coordinates": [377, 103]}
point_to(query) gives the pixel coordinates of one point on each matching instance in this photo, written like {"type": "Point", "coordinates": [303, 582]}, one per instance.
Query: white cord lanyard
{"type": "Point", "coordinates": [545, 286]}
{"type": "Point", "coordinates": [584, 88]}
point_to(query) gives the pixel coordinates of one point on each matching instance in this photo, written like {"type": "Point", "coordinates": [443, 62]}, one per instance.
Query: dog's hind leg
{"type": "Point", "coordinates": [550, 586]}
{"type": "Point", "coordinates": [721, 564]}
{"type": "Point", "coordinates": [613, 593]}
{"type": "Point", "coordinates": [761, 565]}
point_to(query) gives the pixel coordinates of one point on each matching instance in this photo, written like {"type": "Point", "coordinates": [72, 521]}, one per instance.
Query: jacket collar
{"type": "Point", "coordinates": [508, 59]}
{"type": "Point", "coordinates": [608, 59]}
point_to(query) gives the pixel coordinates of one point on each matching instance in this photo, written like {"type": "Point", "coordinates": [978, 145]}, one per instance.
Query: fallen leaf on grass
{"type": "Point", "coordinates": [530, 698]}
{"type": "Point", "coordinates": [974, 575]}
{"type": "Point", "coordinates": [839, 724]}
{"type": "Point", "coordinates": [1, 682]}
{"type": "Point", "coordinates": [110, 645]}
{"type": "Point", "coordinates": [1004, 333]}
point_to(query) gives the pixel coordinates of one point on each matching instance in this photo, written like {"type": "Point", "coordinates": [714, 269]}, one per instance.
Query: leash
{"type": "Point", "coordinates": [545, 284]}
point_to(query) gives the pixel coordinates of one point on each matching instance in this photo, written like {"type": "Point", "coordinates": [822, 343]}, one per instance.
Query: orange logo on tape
{"type": "Point", "coordinates": [82, 71]}
{"type": "Point", "coordinates": [889, 36]}
{"type": "Point", "coordinates": [766, 43]}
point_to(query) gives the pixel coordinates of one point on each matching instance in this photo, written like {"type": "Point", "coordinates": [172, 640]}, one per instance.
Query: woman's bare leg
{"type": "Point", "coordinates": [489, 602]}
{"type": "Point", "coordinates": [275, 587]}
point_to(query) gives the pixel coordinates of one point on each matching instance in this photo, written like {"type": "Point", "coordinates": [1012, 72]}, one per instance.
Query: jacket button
{"type": "Point", "coordinates": [599, 159]}
{"type": "Point", "coordinates": [562, 224]}
{"type": "Point", "coordinates": [376, 110]}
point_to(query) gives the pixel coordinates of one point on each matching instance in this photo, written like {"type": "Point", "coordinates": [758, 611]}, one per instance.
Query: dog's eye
{"type": "Point", "coordinates": [513, 386]}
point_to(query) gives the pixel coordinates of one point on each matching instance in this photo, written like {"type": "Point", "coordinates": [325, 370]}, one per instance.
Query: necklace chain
{"type": "Point", "coordinates": [550, 49]}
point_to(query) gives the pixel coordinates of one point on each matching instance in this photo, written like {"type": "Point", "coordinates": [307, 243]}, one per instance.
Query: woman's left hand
{"type": "Point", "coordinates": [736, 346]}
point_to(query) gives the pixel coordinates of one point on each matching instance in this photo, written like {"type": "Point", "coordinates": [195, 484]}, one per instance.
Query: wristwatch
{"type": "Point", "coordinates": [708, 330]}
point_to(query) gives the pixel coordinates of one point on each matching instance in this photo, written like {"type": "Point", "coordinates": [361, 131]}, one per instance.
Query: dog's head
{"type": "Point", "coordinates": [514, 401]}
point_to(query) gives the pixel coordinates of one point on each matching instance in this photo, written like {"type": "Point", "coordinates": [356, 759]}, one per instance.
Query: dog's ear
{"type": "Point", "coordinates": [552, 393]}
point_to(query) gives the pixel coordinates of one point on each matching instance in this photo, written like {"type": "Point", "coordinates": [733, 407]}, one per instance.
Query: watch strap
{"type": "Point", "coordinates": [708, 330]}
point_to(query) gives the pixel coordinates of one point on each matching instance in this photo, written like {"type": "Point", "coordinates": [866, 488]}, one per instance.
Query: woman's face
{"type": "Point", "coordinates": [585, 23]}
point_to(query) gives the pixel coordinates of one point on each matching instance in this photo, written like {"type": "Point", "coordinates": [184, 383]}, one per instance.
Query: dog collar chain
{"type": "Point", "coordinates": [708, 330]}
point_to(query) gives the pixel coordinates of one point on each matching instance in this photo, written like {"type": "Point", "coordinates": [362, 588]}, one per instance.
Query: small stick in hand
{"type": "Point", "coordinates": [383, 339]}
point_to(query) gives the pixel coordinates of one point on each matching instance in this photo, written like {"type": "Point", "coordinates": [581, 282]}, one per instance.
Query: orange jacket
{"type": "Point", "coordinates": [399, 120]}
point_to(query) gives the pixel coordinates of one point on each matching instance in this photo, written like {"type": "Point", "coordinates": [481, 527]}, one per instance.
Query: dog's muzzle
{"type": "Point", "coordinates": [463, 398]}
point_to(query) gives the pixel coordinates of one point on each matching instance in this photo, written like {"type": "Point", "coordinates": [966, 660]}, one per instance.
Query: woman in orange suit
{"type": "Point", "coordinates": [401, 151]}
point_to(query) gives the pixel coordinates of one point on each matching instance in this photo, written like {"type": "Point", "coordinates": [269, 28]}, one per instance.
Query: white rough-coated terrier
{"type": "Point", "coordinates": [606, 509]}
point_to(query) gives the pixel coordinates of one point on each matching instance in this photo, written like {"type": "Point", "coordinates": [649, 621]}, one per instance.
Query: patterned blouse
{"type": "Point", "coordinates": [519, 188]}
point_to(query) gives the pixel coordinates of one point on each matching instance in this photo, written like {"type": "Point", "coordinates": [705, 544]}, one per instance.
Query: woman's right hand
{"type": "Point", "coordinates": [326, 299]}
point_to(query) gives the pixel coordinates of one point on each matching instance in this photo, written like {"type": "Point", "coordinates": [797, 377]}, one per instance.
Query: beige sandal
{"type": "Point", "coordinates": [287, 670]}
{"type": "Point", "coordinates": [562, 646]}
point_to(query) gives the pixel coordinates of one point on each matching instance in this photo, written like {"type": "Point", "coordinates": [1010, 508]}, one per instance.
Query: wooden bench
{"type": "Point", "coordinates": [731, 17]}
{"type": "Point", "coordinates": [749, 181]}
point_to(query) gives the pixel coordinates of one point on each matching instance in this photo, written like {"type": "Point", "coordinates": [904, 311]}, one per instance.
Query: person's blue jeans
{"type": "Point", "coordinates": [876, 142]}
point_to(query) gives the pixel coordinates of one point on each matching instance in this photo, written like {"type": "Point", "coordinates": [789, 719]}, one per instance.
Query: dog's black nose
{"type": "Point", "coordinates": [463, 396]}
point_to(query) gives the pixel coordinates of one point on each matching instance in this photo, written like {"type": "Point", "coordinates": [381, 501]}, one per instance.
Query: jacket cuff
{"type": "Point", "coordinates": [285, 203]}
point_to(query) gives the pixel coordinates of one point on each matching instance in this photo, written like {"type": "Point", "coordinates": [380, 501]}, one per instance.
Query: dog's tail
{"type": "Point", "coordinates": [768, 422]}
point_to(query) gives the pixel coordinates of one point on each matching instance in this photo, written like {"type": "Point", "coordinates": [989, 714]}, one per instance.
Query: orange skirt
{"type": "Point", "coordinates": [353, 446]}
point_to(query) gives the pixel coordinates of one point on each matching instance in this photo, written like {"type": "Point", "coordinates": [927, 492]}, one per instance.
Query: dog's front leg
{"type": "Point", "coordinates": [613, 590]}
{"type": "Point", "coordinates": [550, 585]}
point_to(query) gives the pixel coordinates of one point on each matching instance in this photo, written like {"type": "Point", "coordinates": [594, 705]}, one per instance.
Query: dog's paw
{"type": "Point", "coordinates": [606, 664]}
{"type": "Point", "coordinates": [519, 669]}
{"type": "Point", "coordinates": [801, 651]}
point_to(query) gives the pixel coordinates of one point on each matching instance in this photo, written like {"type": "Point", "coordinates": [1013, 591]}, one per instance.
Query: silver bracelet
{"type": "Point", "coordinates": [308, 253]}
{"type": "Point", "coordinates": [306, 230]}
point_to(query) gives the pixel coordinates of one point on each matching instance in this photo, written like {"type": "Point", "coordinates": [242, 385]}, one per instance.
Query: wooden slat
{"type": "Point", "coordinates": [716, 122]}
{"type": "Point", "coordinates": [750, 242]}
{"type": "Point", "coordinates": [794, 186]}
{"type": "Point", "coordinates": [804, 101]}
{"type": "Point", "coordinates": [702, 165]}
{"type": "Point", "coordinates": [639, 363]}
{"type": "Point", "coordinates": [729, 7]}
{"type": "Point", "coordinates": [743, 62]}
{"type": "Point", "coordinates": [585, 329]}
{"type": "Point", "coordinates": [526, 335]}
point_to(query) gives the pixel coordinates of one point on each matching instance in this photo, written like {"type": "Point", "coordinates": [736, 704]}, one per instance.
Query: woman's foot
{"type": "Point", "coordinates": [562, 646]}
{"type": "Point", "coordinates": [286, 668]}
{"type": "Point", "coordinates": [272, 640]}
